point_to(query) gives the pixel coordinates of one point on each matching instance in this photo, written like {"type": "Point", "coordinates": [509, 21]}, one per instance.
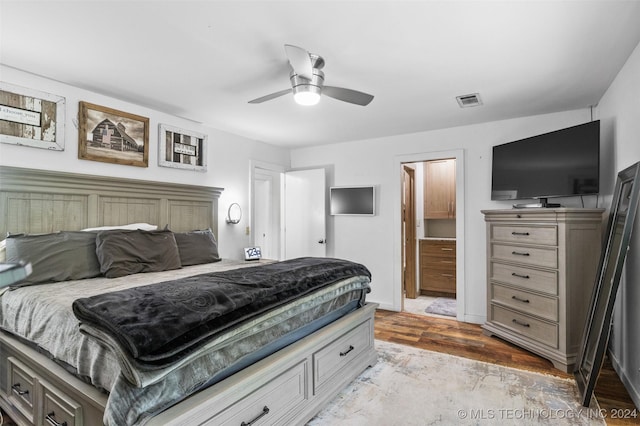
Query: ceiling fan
{"type": "Point", "coordinates": [307, 81]}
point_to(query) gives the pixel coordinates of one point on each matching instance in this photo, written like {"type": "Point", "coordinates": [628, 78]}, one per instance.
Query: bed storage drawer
{"type": "Point", "coordinates": [41, 403]}
{"type": "Point", "coordinates": [331, 359]}
{"type": "Point", "coordinates": [51, 389]}
{"type": "Point", "coordinates": [273, 403]}
{"type": "Point", "coordinates": [22, 387]}
{"type": "Point", "coordinates": [58, 409]}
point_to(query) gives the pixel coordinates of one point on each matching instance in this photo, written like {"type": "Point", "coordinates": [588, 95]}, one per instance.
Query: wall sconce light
{"type": "Point", "coordinates": [234, 214]}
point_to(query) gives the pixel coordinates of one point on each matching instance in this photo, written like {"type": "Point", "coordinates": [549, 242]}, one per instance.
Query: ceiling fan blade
{"type": "Point", "coordinates": [300, 61]}
{"type": "Point", "coordinates": [271, 96]}
{"type": "Point", "coordinates": [347, 95]}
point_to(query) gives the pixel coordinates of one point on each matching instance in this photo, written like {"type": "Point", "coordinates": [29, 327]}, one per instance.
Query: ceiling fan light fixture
{"type": "Point", "coordinates": [307, 81]}
{"type": "Point", "coordinates": [306, 95]}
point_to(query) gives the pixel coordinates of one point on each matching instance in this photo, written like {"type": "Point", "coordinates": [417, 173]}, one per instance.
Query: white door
{"type": "Point", "coordinates": [267, 211]}
{"type": "Point", "coordinates": [305, 213]}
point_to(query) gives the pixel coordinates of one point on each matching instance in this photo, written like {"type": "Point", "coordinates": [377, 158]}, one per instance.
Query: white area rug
{"type": "Point", "coordinates": [410, 386]}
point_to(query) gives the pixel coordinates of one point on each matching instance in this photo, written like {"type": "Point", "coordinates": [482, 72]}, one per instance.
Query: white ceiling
{"type": "Point", "coordinates": [205, 60]}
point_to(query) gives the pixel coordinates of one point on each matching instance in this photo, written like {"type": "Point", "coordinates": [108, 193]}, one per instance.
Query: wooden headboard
{"type": "Point", "coordinates": [40, 201]}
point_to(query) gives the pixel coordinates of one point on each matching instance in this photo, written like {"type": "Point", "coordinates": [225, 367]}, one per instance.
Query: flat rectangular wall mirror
{"type": "Point", "coordinates": [596, 334]}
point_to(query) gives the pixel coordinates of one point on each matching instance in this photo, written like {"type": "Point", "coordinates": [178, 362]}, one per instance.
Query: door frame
{"type": "Point", "coordinates": [408, 223]}
{"type": "Point", "coordinates": [399, 160]}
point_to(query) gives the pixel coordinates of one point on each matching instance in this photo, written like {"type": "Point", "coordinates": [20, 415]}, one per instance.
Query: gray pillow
{"type": "Point", "coordinates": [61, 256]}
{"type": "Point", "coordinates": [197, 247]}
{"type": "Point", "coordinates": [126, 252]}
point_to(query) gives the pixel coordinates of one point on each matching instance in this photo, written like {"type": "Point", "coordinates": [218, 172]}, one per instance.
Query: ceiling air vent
{"type": "Point", "coordinates": [469, 100]}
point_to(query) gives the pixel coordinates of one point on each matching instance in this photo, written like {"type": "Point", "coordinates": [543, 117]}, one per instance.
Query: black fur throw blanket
{"type": "Point", "coordinates": [159, 322]}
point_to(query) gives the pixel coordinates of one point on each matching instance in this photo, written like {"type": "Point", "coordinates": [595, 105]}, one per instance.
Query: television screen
{"type": "Point", "coordinates": [557, 164]}
{"type": "Point", "coordinates": [352, 200]}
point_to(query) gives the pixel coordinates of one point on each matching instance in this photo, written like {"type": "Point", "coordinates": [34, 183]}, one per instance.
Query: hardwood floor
{"type": "Point", "coordinates": [467, 340]}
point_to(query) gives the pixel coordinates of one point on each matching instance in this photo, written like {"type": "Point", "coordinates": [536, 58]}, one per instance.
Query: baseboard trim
{"type": "Point", "coordinates": [474, 319]}
{"type": "Point", "coordinates": [387, 307]}
{"type": "Point", "coordinates": [633, 392]}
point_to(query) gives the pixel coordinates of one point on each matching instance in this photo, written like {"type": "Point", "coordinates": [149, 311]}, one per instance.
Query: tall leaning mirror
{"type": "Point", "coordinates": [596, 334]}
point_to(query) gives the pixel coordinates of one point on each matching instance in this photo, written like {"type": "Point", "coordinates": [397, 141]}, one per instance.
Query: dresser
{"type": "Point", "coordinates": [438, 267]}
{"type": "Point", "coordinates": [541, 267]}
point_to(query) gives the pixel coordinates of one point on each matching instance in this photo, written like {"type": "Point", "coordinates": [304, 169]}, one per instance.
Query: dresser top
{"type": "Point", "coordinates": [561, 214]}
{"type": "Point", "coordinates": [544, 210]}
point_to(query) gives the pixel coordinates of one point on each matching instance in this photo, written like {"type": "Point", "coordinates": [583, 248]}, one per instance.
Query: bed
{"type": "Point", "coordinates": [279, 346]}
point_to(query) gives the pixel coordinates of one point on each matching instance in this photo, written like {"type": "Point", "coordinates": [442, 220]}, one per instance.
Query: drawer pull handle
{"type": "Point", "coordinates": [447, 275]}
{"type": "Point", "coordinates": [52, 420]}
{"type": "Point", "coordinates": [520, 275]}
{"type": "Point", "coordinates": [16, 389]}
{"type": "Point", "coordinates": [519, 253]}
{"type": "Point", "coordinates": [265, 411]}
{"type": "Point", "coordinates": [520, 233]}
{"type": "Point", "coordinates": [519, 299]}
{"type": "Point", "coordinates": [524, 324]}
{"type": "Point", "coordinates": [347, 351]}
{"type": "Point", "coordinates": [446, 249]}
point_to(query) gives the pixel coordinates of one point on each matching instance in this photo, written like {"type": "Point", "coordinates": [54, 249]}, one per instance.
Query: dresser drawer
{"type": "Point", "coordinates": [58, 408]}
{"type": "Point", "coordinates": [542, 235]}
{"type": "Point", "coordinates": [270, 404]}
{"type": "Point", "coordinates": [438, 281]}
{"type": "Point", "coordinates": [526, 302]}
{"type": "Point", "coordinates": [526, 278]}
{"type": "Point", "coordinates": [329, 360]}
{"type": "Point", "coordinates": [538, 330]}
{"type": "Point", "coordinates": [439, 265]}
{"type": "Point", "coordinates": [546, 257]}
{"type": "Point", "coordinates": [438, 248]}
{"type": "Point", "coordinates": [21, 387]}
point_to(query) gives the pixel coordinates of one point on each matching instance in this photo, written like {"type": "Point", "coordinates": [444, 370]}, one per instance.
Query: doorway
{"type": "Point", "coordinates": [437, 244]}
{"type": "Point", "coordinates": [266, 209]}
{"type": "Point", "coordinates": [288, 211]}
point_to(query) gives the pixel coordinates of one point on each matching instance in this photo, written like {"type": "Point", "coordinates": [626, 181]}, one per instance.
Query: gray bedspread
{"type": "Point", "coordinates": [161, 323]}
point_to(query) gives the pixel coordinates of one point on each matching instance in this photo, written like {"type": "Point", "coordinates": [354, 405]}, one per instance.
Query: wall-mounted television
{"type": "Point", "coordinates": [352, 200]}
{"type": "Point", "coordinates": [562, 163]}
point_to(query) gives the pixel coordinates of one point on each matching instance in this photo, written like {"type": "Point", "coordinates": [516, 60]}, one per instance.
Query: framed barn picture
{"type": "Point", "coordinates": [31, 118]}
{"type": "Point", "coordinates": [112, 136]}
{"type": "Point", "coordinates": [182, 149]}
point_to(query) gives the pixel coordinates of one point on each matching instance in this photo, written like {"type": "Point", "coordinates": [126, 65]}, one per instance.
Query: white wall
{"type": "Point", "coordinates": [228, 162]}
{"type": "Point", "coordinates": [371, 241]}
{"type": "Point", "coordinates": [619, 111]}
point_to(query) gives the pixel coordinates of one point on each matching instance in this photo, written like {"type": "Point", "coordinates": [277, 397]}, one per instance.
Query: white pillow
{"type": "Point", "coordinates": [132, 226]}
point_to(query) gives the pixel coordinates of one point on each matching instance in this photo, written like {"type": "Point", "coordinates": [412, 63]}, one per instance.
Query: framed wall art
{"type": "Point", "coordinates": [112, 136]}
{"type": "Point", "coordinates": [182, 149]}
{"type": "Point", "coordinates": [31, 118]}
{"type": "Point", "coordinates": [614, 251]}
